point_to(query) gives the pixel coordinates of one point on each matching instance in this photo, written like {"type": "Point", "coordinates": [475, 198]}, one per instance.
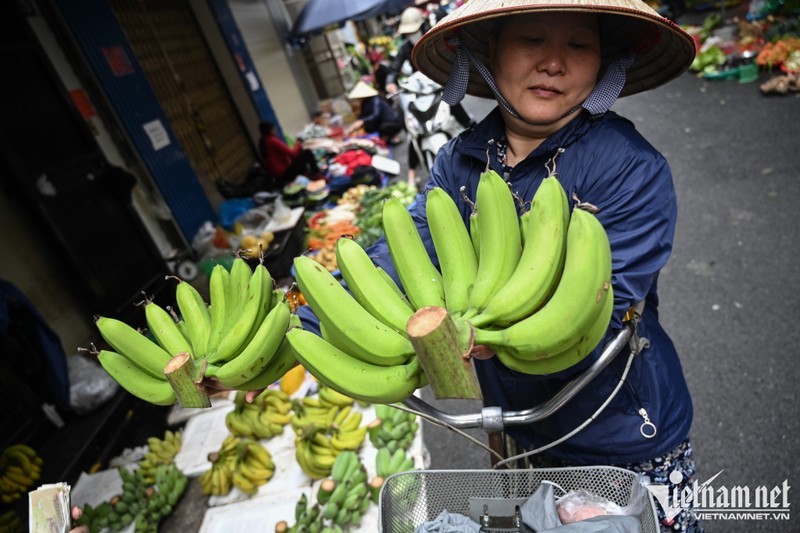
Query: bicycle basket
{"type": "Point", "coordinates": [411, 498]}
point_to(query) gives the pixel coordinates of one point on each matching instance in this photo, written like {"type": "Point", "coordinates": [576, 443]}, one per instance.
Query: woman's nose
{"type": "Point", "coordinates": [551, 62]}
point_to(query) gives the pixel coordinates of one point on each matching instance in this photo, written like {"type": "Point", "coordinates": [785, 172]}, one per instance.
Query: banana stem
{"type": "Point", "coordinates": [181, 374]}
{"type": "Point", "coordinates": [443, 347]}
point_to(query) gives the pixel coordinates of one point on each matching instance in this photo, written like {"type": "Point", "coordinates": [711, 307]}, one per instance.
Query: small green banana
{"type": "Point", "coordinates": [364, 335]}
{"type": "Point", "coordinates": [259, 352]}
{"type": "Point", "coordinates": [353, 377]}
{"type": "Point", "coordinates": [135, 380]}
{"type": "Point", "coordinates": [218, 286]}
{"type": "Point", "coordinates": [575, 304]}
{"type": "Point", "coordinates": [240, 275]}
{"type": "Point", "coordinates": [544, 229]}
{"type": "Point", "coordinates": [369, 287]}
{"type": "Point", "coordinates": [420, 279]}
{"type": "Point", "coordinates": [572, 355]}
{"type": "Point", "coordinates": [165, 330]}
{"type": "Point", "coordinates": [499, 236]}
{"type": "Point", "coordinates": [195, 315]}
{"type": "Point", "coordinates": [128, 342]}
{"type": "Point", "coordinates": [457, 260]}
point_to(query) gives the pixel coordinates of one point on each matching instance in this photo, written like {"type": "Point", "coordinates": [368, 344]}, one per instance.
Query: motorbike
{"type": "Point", "coordinates": [428, 120]}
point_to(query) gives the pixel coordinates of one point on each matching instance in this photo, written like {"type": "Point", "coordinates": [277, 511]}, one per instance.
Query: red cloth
{"type": "Point", "coordinates": [276, 156]}
{"type": "Point", "coordinates": [352, 159]}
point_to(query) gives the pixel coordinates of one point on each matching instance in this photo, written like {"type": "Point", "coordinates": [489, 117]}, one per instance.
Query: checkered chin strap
{"type": "Point", "coordinates": [605, 92]}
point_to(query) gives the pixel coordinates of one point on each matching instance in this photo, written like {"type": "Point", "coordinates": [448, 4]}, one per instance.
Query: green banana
{"type": "Point", "coordinates": [420, 279]}
{"type": "Point", "coordinates": [283, 361]}
{"type": "Point", "coordinates": [365, 337]}
{"type": "Point", "coordinates": [135, 380]}
{"type": "Point", "coordinates": [165, 330]}
{"type": "Point", "coordinates": [499, 236]}
{"type": "Point", "coordinates": [270, 298]}
{"type": "Point", "coordinates": [390, 281]}
{"type": "Point", "coordinates": [240, 275]}
{"type": "Point", "coordinates": [457, 260]}
{"type": "Point", "coordinates": [353, 377]}
{"type": "Point", "coordinates": [196, 317]}
{"type": "Point", "coordinates": [544, 230]}
{"type": "Point", "coordinates": [218, 286]}
{"type": "Point", "coordinates": [575, 304]}
{"type": "Point", "coordinates": [237, 332]}
{"type": "Point", "coordinates": [572, 355]}
{"type": "Point", "coordinates": [259, 353]}
{"type": "Point", "coordinates": [128, 342]}
{"type": "Point", "coordinates": [474, 232]}
{"type": "Point", "coordinates": [369, 287]}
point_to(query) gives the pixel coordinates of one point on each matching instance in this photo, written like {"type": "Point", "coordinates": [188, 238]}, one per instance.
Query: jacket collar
{"type": "Point", "coordinates": [474, 141]}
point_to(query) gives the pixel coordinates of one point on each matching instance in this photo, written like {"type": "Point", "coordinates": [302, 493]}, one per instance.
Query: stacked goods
{"type": "Point", "coordinates": [141, 503]}
{"type": "Point", "coordinates": [161, 452]}
{"type": "Point", "coordinates": [20, 468]}
{"type": "Point", "coordinates": [325, 428]}
{"type": "Point", "coordinates": [263, 418]}
{"type": "Point", "coordinates": [241, 462]}
{"type": "Point", "coordinates": [535, 288]}
{"type": "Point", "coordinates": [341, 501]}
{"type": "Point", "coordinates": [236, 340]}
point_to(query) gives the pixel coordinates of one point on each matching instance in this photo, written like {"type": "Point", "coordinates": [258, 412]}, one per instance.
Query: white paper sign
{"type": "Point", "coordinates": [158, 135]}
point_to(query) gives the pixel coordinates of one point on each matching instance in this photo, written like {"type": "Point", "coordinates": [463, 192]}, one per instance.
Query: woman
{"type": "Point", "coordinates": [282, 163]}
{"type": "Point", "coordinates": [374, 114]}
{"type": "Point", "coordinates": [555, 68]}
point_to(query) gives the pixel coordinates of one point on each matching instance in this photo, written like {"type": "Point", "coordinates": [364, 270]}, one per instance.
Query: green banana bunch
{"type": "Point", "coordinates": [457, 260]}
{"type": "Point", "coordinates": [196, 317]}
{"type": "Point", "coordinates": [134, 346]}
{"type": "Point", "coordinates": [363, 335]}
{"type": "Point", "coordinates": [499, 237]}
{"type": "Point", "coordinates": [388, 463]}
{"type": "Point", "coordinates": [392, 428]}
{"type": "Point", "coordinates": [160, 452]}
{"type": "Point", "coordinates": [544, 232]}
{"type": "Point", "coordinates": [136, 380]}
{"type": "Point", "coordinates": [353, 377]}
{"type": "Point", "coordinates": [165, 330]}
{"type": "Point", "coordinates": [575, 305]}
{"type": "Point", "coordinates": [423, 284]}
{"type": "Point", "coordinates": [20, 468]}
{"type": "Point", "coordinates": [369, 286]}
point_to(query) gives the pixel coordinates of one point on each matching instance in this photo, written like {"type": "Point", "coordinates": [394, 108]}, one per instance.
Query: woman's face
{"type": "Point", "coordinates": [545, 64]}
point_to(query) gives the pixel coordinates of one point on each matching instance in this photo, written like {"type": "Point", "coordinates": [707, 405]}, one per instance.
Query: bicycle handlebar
{"type": "Point", "coordinates": [492, 419]}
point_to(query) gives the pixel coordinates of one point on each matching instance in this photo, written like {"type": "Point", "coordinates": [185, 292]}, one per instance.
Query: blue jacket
{"type": "Point", "coordinates": [607, 163]}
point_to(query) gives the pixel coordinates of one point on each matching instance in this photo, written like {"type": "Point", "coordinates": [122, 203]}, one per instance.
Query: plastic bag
{"type": "Point", "coordinates": [581, 504]}
{"type": "Point", "coordinates": [90, 385]}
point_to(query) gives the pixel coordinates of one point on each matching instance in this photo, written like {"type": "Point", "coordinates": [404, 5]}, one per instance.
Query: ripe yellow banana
{"type": "Point", "coordinates": [364, 336]}
{"type": "Point", "coordinates": [369, 286]}
{"type": "Point", "coordinates": [353, 377]}
{"type": "Point", "coordinates": [135, 380]}
{"type": "Point", "coordinates": [237, 332]}
{"type": "Point", "coordinates": [572, 355]}
{"type": "Point", "coordinates": [544, 231]}
{"type": "Point", "coordinates": [349, 440]}
{"type": "Point", "coordinates": [332, 397]}
{"type": "Point", "coordinates": [420, 279]}
{"type": "Point", "coordinates": [128, 342]}
{"type": "Point", "coordinates": [575, 304]}
{"type": "Point", "coordinates": [165, 330]}
{"type": "Point", "coordinates": [195, 316]}
{"type": "Point", "coordinates": [457, 260]}
{"type": "Point", "coordinates": [261, 350]}
{"type": "Point", "coordinates": [499, 236]}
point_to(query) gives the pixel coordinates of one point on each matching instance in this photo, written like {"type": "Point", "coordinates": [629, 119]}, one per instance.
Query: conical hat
{"type": "Point", "coordinates": [362, 90]}
{"type": "Point", "coordinates": [663, 50]}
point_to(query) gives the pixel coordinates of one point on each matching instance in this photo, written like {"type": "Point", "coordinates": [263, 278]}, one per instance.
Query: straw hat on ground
{"type": "Point", "coordinates": [663, 51]}
{"type": "Point", "coordinates": [362, 90]}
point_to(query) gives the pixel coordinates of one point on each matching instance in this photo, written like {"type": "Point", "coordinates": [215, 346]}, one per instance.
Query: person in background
{"type": "Point", "coordinates": [555, 68]}
{"type": "Point", "coordinates": [374, 114]}
{"type": "Point", "coordinates": [282, 163]}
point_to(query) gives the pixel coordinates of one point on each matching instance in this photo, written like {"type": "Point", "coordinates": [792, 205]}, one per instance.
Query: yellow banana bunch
{"type": "Point", "coordinates": [160, 452]}
{"type": "Point", "coordinates": [217, 480]}
{"type": "Point", "coordinates": [20, 468]}
{"type": "Point", "coordinates": [238, 337]}
{"type": "Point", "coordinates": [254, 466]}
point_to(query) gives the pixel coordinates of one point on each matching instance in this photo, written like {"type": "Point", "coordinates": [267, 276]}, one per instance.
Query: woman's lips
{"type": "Point", "coordinates": [544, 91]}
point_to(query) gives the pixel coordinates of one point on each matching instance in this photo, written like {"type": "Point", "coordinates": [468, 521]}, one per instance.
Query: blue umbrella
{"type": "Point", "coordinates": [318, 15]}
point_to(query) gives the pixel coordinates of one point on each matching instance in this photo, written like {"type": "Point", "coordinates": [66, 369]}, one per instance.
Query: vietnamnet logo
{"type": "Point", "coordinates": [710, 502]}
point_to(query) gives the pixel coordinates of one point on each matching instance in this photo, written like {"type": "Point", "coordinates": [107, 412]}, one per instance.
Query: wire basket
{"type": "Point", "coordinates": [411, 498]}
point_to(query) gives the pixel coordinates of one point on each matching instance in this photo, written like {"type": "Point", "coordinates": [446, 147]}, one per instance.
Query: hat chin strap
{"type": "Point", "coordinates": [600, 100]}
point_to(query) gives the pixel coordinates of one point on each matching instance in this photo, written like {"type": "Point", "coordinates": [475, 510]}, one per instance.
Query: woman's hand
{"type": "Point", "coordinates": [481, 352]}
{"type": "Point", "coordinates": [77, 512]}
